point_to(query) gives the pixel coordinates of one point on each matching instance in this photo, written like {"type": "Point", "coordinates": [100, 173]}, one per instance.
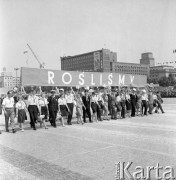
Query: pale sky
{"type": "Point", "coordinates": [54, 28]}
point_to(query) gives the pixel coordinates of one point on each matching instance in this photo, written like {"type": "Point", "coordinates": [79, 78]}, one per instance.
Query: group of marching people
{"type": "Point", "coordinates": [97, 105]}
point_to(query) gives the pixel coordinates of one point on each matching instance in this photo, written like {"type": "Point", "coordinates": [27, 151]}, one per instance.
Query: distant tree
{"type": "Point", "coordinates": [154, 81]}
{"type": "Point", "coordinates": [171, 79]}
{"type": "Point", "coordinates": [164, 81]}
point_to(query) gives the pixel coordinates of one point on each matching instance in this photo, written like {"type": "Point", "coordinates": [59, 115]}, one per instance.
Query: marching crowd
{"type": "Point", "coordinates": [97, 105]}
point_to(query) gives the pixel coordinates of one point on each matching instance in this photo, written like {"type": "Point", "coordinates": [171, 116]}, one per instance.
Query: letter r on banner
{"type": "Point", "coordinates": [50, 77]}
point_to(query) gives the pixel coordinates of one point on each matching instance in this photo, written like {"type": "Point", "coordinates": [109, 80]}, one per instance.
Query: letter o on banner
{"type": "Point", "coordinates": [63, 78]}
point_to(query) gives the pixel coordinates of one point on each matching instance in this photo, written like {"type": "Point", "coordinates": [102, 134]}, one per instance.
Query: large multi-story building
{"type": "Point", "coordinates": [92, 61]}
{"type": "Point", "coordinates": [102, 60]}
{"type": "Point", "coordinates": [130, 68]}
{"type": "Point", "coordinates": [147, 59]}
{"type": "Point", "coordinates": [158, 72]}
{"type": "Point", "coordinates": [8, 81]}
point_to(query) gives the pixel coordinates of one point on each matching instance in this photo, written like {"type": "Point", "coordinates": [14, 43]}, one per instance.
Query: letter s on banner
{"type": "Point", "coordinates": [110, 76]}
{"type": "Point", "coordinates": [50, 77]}
{"type": "Point", "coordinates": [81, 76]}
{"type": "Point", "coordinates": [63, 78]}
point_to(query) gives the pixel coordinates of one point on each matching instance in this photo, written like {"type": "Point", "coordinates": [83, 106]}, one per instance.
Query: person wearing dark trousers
{"type": "Point", "coordinates": [144, 99]}
{"type": "Point", "coordinates": [99, 106]}
{"type": "Point", "coordinates": [86, 102]}
{"type": "Point", "coordinates": [159, 102]}
{"type": "Point", "coordinates": [33, 108]}
{"type": "Point", "coordinates": [150, 102]}
{"type": "Point", "coordinates": [113, 106]}
{"type": "Point", "coordinates": [133, 98]}
{"type": "Point", "coordinates": [70, 99]}
{"type": "Point", "coordinates": [1, 105]}
{"type": "Point", "coordinates": [53, 108]}
{"type": "Point", "coordinates": [123, 103]}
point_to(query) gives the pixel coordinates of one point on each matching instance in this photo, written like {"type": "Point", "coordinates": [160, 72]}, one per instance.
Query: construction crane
{"type": "Point", "coordinates": [41, 64]}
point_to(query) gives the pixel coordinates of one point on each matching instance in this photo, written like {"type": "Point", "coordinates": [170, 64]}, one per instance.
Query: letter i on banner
{"type": "Point", "coordinates": [101, 83]}
{"type": "Point", "coordinates": [92, 80]}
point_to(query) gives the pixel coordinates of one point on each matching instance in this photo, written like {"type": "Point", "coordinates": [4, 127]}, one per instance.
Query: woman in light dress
{"type": "Point", "coordinates": [43, 110]}
{"type": "Point", "coordinates": [63, 108]}
{"type": "Point", "coordinates": [79, 108]}
{"type": "Point", "coordinates": [21, 110]}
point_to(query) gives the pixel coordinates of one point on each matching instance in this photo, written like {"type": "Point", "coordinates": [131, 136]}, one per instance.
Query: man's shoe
{"type": "Point", "coordinates": [13, 130]}
{"type": "Point", "coordinates": [91, 121]}
{"type": "Point", "coordinates": [34, 129]}
{"type": "Point", "coordinates": [7, 130]}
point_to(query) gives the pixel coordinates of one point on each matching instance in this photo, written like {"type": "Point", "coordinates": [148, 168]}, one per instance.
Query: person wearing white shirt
{"type": "Point", "coordinates": [63, 108]}
{"type": "Point", "coordinates": [94, 106]}
{"type": "Point", "coordinates": [70, 99]}
{"type": "Point", "coordinates": [100, 106]}
{"type": "Point", "coordinates": [43, 109]}
{"type": "Point", "coordinates": [123, 103]}
{"type": "Point", "coordinates": [33, 108]}
{"type": "Point", "coordinates": [144, 99]}
{"type": "Point", "coordinates": [21, 110]}
{"type": "Point", "coordinates": [8, 108]}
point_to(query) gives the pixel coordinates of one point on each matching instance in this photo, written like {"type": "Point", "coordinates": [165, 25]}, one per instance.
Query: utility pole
{"type": "Point", "coordinates": [16, 69]}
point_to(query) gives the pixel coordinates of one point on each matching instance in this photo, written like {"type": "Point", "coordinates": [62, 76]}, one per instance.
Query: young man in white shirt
{"type": "Point", "coordinates": [33, 108]}
{"type": "Point", "coordinates": [70, 99]}
{"type": "Point", "coordinates": [8, 108]}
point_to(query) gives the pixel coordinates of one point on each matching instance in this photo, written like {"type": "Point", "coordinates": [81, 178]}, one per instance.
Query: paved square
{"type": "Point", "coordinates": [89, 151]}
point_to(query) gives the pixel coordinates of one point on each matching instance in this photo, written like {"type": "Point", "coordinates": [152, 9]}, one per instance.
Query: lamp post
{"type": "Point", "coordinates": [16, 69]}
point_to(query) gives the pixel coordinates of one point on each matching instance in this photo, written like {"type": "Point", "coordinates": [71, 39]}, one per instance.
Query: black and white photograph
{"type": "Point", "coordinates": [87, 89]}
